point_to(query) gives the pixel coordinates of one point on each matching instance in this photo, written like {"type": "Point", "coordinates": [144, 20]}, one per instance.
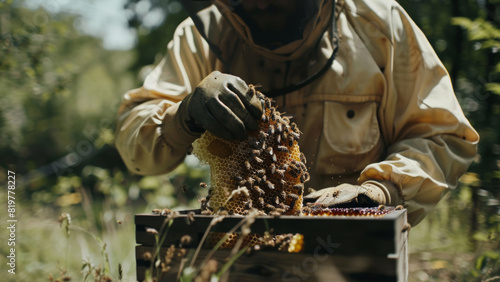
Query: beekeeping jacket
{"type": "Point", "coordinates": [382, 111]}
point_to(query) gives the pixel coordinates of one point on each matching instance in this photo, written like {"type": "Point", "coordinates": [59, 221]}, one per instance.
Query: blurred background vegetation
{"type": "Point", "coordinates": [60, 89]}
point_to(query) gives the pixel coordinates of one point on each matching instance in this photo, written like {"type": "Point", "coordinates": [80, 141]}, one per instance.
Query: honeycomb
{"type": "Point", "coordinates": [266, 171]}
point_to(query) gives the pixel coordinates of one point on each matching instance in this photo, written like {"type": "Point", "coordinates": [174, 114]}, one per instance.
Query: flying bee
{"type": "Point", "coordinates": [283, 149]}
{"type": "Point", "coordinates": [203, 185]}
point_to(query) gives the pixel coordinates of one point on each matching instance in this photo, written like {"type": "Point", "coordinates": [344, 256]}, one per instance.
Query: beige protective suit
{"type": "Point", "coordinates": [384, 112]}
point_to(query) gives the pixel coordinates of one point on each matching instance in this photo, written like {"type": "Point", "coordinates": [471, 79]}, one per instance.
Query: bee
{"type": "Point", "coordinates": [206, 212]}
{"type": "Point", "coordinates": [248, 166]}
{"type": "Point", "coordinates": [238, 178]}
{"type": "Point", "coordinates": [270, 185]}
{"type": "Point", "coordinates": [303, 158]}
{"type": "Point", "coordinates": [274, 158]}
{"type": "Point", "coordinates": [262, 136]}
{"type": "Point", "coordinates": [282, 182]}
{"type": "Point", "coordinates": [282, 195]}
{"type": "Point", "coordinates": [273, 168]}
{"type": "Point", "coordinates": [264, 118]}
{"type": "Point", "coordinates": [190, 216]}
{"type": "Point", "coordinates": [270, 207]}
{"type": "Point", "coordinates": [286, 120]}
{"type": "Point", "coordinates": [284, 167]}
{"type": "Point", "coordinates": [156, 211]}
{"type": "Point", "coordinates": [278, 139]}
{"type": "Point", "coordinates": [273, 114]}
{"type": "Point", "coordinates": [270, 130]}
{"type": "Point", "coordinates": [294, 171]}
{"type": "Point", "coordinates": [285, 207]}
{"type": "Point", "coordinates": [279, 128]}
{"type": "Point", "coordinates": [248, 204]}
{"type": "Point", "coordinates": [203, 185]}
{"type": "Point", "coordinates": [299, 188]}
{"type": "Point", "coordinates": [268, 103]}
{"type": "Point", "coordinates": [281, 172]}
{"type": "Point", "coordinates": [253, 142]}
{"type": "Point", "coordinates": [261, 202]}
{"type": "Point", "coordinates": [290, 142]}
{"type": "Point", "coordinates": [305, 177]}
{"type": "Point", "coordinates": [242, 182]}
{"type": "Point", "coordinates": [277, 200]}
{"type": "Point", "coordinates": [257, 160]}
{"type": "Point", "coordinates": [261, 172]}
{"type": "Point", "coordinates": [280, 210]}
{"type": "Point", "coordinates": [258, 190]}
{"type": "Point", "coordinates": [263, 179]}
{"type": "Point", "coordinates": [184, 189]}
{"type": "Point", "coordinates": [165, 212]}
{"type": "Point", "coordinates": [292, 197]}
{"type": "Point", "coordinates": [269, 150]}
{"type": "Point", "coordinates": [295, 135]}
{"type": "Point", "coordinates": [283, 149]}
{"type": "Point", "coordinates": [250, 181]}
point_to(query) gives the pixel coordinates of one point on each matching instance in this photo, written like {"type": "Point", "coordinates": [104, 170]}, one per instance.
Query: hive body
{"type": "Point", "coordinates": [266, 171]}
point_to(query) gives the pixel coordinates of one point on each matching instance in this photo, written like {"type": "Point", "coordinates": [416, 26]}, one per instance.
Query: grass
{"type": "Point", "coordinates": [441, 248]}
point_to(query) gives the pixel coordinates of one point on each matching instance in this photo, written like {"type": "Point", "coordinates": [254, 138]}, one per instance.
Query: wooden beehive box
{"type": "Point", "coordinates": [335, 248]}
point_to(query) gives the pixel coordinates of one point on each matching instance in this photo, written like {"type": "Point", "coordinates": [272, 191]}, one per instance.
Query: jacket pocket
{"type": "Point", "coordinates": [351, 138]}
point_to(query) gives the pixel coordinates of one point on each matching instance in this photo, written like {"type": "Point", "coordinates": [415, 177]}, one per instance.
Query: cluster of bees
{"type": "Point", "coordinates": [266, 172]}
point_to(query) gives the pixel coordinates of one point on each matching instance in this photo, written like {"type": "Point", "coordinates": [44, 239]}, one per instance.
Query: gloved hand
{"type": "Point", "coordinates": [348, 195]}
{"type": "Point", "coordinates": [222, 105]}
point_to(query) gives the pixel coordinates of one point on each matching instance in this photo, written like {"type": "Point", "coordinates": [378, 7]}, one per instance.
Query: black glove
{"type": "Point", "coordinates": [222, 104]}
{"type": "Point", "coordinates": [348, 195]}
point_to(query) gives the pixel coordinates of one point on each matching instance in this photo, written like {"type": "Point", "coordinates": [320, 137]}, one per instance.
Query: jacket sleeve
{"type": "Point", "coordinates": [430, 142]}
{"type": "Point", "coordinates": [152, 137]}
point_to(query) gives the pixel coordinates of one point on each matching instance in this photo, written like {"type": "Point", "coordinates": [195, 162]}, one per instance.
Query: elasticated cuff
{"type": "Point", "coordinates": [392, 194]}
{"type": "Point", "coordinates": [177, 133]}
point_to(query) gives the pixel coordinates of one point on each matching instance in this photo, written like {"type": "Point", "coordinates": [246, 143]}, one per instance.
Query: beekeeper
{"type": "Point", "coordinates": [380, 121]}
